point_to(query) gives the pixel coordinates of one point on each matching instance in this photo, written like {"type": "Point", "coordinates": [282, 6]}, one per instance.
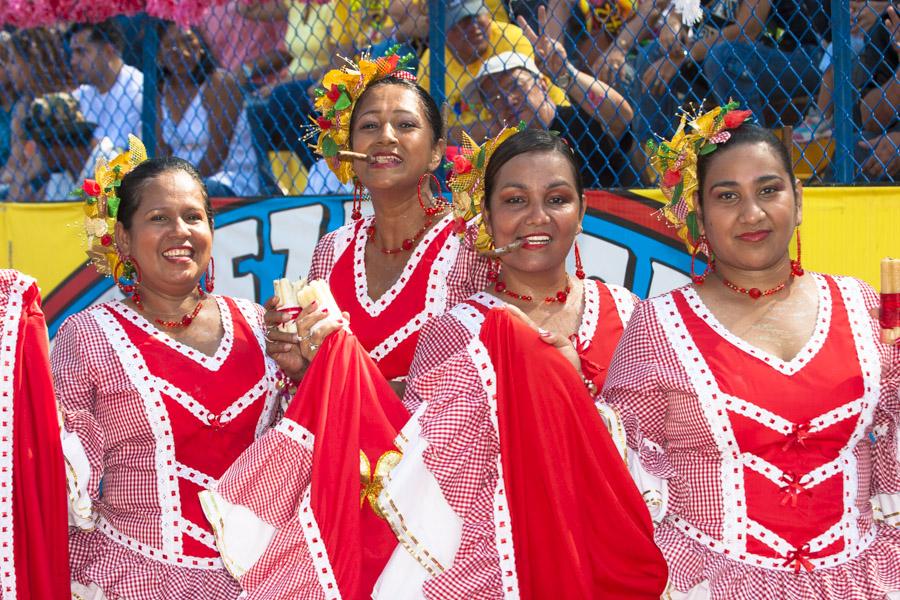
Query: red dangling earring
{"type": "Point", "coordinates": [579, 268]}
{"type": "Point", "coordinates": [356, 213]}
{"type": "Point", "coordinates": [435, 208]}
{"type": "Point", "coordinates": [210, 282]}
{"type": "Point", "coordinates": [710, 264]}
{"type": "Point", "coordinates": [796, 265]}
{"type": "Point", "coordinates": [493, 270]}
{"type": "Point", "coordinates": [127, 275]}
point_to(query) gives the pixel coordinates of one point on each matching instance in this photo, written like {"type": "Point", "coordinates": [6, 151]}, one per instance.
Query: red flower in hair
{"type": "Point", "coordinates": [334, 93]}
{"type": "Point", "coordinates": [91, 188]}
{"type": "Point", "coordinates": [734, 118]}
{"type": "Point", "coordinates": [324, 123]}
{"type": "Point", "coordinates": [671, 178]}
{"type": "Point", "coordinates": [461, 164]}
{"type": "Point", "coordinates": [106, 240]}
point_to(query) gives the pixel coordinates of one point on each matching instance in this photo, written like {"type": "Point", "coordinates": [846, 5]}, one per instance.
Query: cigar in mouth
{"type": "Point", "coordinates": [515, 245]}
{"type": "Point", "coordinates": [348, 155]}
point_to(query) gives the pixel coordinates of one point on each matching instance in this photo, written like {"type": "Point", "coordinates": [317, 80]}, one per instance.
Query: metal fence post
{"type": "Point", "coordinates": [149, 114]}
{"type": "Point", "coordinates": [437, 38]}
{"type": "Point", "coordinates": [842, 59]}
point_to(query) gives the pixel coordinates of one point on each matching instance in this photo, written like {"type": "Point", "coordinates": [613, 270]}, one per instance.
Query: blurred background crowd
{"type": "Point", "coordinates": [232, 94]}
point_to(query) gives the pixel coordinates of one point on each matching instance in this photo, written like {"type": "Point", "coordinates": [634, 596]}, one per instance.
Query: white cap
{"type": "Point", "coordinates": [500, 63]}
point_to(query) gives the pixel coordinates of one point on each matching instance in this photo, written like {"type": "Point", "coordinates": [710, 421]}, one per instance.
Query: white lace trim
{"type": "Point", "coordinates": [251, 315]}
{"type": "Point", "coordinates": [851, 550]}
{"type": "Point", "coordinates": [502, 519]}
{"type": "Point", "coordinates": [296, 432]}
{"type": "Point", "coordinates": [361, 283]}
{"type": "Point", "coordinates": [781, 425]}
{"type": "Point", "coordinates": [175, 559]}
{"type": "Point", "coordinates": [9, 337]}
{"type": "Point", "coordinates": [590, 314]}
{"type": "Point", "coordinates": [199, 534]}
{"type": "Point", "coordinates": [470, 317]}
{"type": "Point", "coordinates": [342, 239]}
{"type": "Point", "coordinates": [134, 366]}
{"type": "Point", "coordinates": [317, 550]}
{"type": "Point", "coordinates": [806, 354]}
{"type": "Point", "coordinates": [202, 413]}
{"type": "Point", "coordinates": [807, 480]}
{"type": "Point", "coordinates": [214, 362]}
{"type": "Point", "coordinates": [435, 298]}
{"type": "Point", "coordinates": [194, 476]}
{"type": "Point", "coordinates": [624, 301]}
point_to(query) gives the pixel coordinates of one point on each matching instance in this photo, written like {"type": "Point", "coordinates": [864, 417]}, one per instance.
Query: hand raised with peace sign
{"type": "Point", "coordinates": [550, 54]}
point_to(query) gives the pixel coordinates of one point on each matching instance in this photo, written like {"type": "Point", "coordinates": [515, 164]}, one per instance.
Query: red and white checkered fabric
{"type": "Point", "coordinates": [463, 446]}
{"type": "Point", "coordinates": [157, 422]}
{"type": "Point", "coordinates": [687, 433]}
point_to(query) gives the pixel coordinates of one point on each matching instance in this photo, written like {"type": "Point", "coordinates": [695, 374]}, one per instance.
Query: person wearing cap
{"type": "Point", "coordinates": [65, 140]}
{"type": "Point", "coordinates": [474, 36]}
{"type": "Point", "coordinates": [513, 88]}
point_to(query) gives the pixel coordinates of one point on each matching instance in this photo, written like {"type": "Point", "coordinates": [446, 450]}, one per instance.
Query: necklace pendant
{"type": "Point", "coordinates": [754, 293]}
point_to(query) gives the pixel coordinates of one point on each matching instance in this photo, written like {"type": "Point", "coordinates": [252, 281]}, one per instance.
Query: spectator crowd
{"type": "Point", "coordinates": [232, 95]}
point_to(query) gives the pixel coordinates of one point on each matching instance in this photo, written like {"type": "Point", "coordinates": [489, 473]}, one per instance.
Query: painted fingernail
{"type": "Point", "coordinates": [543, 332]}
{"type": "Point", "coordinates": [324, 311]}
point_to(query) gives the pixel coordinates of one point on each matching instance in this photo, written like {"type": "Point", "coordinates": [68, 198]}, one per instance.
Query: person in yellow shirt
{"type": "Point", "coordinates": [473, 36]}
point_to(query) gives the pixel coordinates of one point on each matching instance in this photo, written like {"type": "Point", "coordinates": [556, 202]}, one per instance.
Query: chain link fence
{"type": "Point", "coordinates": [233, 93]}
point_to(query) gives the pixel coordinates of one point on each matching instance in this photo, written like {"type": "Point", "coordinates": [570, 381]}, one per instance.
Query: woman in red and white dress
{"type": "Point", "coordinates": [296, 492]}
{"type": "Point", "coordinates": [760, 407]}
{"type": "Point", "coordinates": [510, 485]}
{"type": "Point", "coordinates": [160, 393]}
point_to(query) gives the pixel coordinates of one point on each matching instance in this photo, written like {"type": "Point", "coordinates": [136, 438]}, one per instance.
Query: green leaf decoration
{"type": "Point", "coordinates": [707, 149]}
{"type": "Point", "coordinates": [117, 170]}
{"type": "Point", "coordinates": [319, 92]}
{"type": "Point", "coordinates": [330, 115]}
{"type": "Point", "coordinates": [79, 193]}
{"type": "Point", "coordinates": [651, 146]}
{"type": "Point", "coordinates": [693, 227]}
{"type": "Point", "coordinates": [329, 147]}
{"type": "Point", "coordinates": [677, 191]}
{"type": "Point", "coordinates": [112, 206]}
{"type": "Point", "coordinates": [342, 87]}
{"type": "Point", "coordinates": [479, 159]}
{"type": "Point", "coordinates": [343, 103]}
{"type": "Point", "coordinates": [521, 126]}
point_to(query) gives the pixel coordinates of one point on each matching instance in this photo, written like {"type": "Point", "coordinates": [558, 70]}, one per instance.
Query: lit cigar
{"type": "Point", "coordinates": [347, 155]}
{"type": "Point", "coordinates": [890, 300]}
{"type": "Point", "coordinates": [505, 249]}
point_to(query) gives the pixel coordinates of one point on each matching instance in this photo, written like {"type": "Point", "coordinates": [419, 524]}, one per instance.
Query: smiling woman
{"type": "Point", "coordinates": [159, 392]}
{"type": "Point", "coordinates": [761, 410]}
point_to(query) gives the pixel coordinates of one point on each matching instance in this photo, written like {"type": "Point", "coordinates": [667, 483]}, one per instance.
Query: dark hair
{"type": "Point", "coordinates": [132, 184]}
{"type": "Point", "coordinates": [206, 62]}
{"type": "Point", "coordinates": [530, 140]}
{"type": "Point", "coordinates": [432, 112]}
{"type": "Point", "coordinates": [746, 133]}
{"type": "Point", "coordinates": [105, 32]}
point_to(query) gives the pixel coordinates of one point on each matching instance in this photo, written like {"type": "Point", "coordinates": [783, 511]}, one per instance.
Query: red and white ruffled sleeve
{"type": "Point", "coordinates": [75, 381]}
{"type": "Point", "coordinates": [886, 428]}
{"type": "Point", "coordinates": [438, 500]}
{"type": "Point", "coordinates": [633, 405]}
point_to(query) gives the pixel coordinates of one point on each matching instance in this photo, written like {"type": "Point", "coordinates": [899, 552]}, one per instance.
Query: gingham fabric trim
{"type": "Point", "coordinates": [214, 362]}
{"type": "Point", "coordinates": [802, 358]}
{"type": "Point", "coordinates": [376, 307]}
{"type": "Point", "coordinates": [317, 551]}
{"type": "Point", "coordinates": [502, 519]}
{"type": "Point", "coordinates": [133, 365]}
{"type": "Point", "coordinates": [175, 559]}
{"type": "Point", "coordinates": [9, 337]}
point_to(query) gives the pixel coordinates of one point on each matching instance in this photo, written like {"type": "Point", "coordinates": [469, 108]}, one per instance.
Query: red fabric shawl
{"type": "Point", "coordinates": [349, 407]}
{"type": "Point", "coordinates": [580, 527]}
{"type": "Point", "coordinates": [39, 481]}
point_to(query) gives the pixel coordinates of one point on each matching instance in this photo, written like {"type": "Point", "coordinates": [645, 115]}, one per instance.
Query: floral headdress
{"type": "Point", "coordinates": [675, 161]}
{"type": "Point", "coordinates": [101, 204]}
{"type": "Point", "coordinates": [337, 97]}
{"type": "Point", "coordinates": [467, 182]}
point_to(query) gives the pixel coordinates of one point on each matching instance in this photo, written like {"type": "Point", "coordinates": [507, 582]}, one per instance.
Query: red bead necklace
{"type": "Point", "coordinates": [181, 323]}
{"type": "Point", "coordinates": [407, 245]}
{"type": "Point", "coordinates": [756, 293]}
{"type": "Point", "coordinates": [560, 296]}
